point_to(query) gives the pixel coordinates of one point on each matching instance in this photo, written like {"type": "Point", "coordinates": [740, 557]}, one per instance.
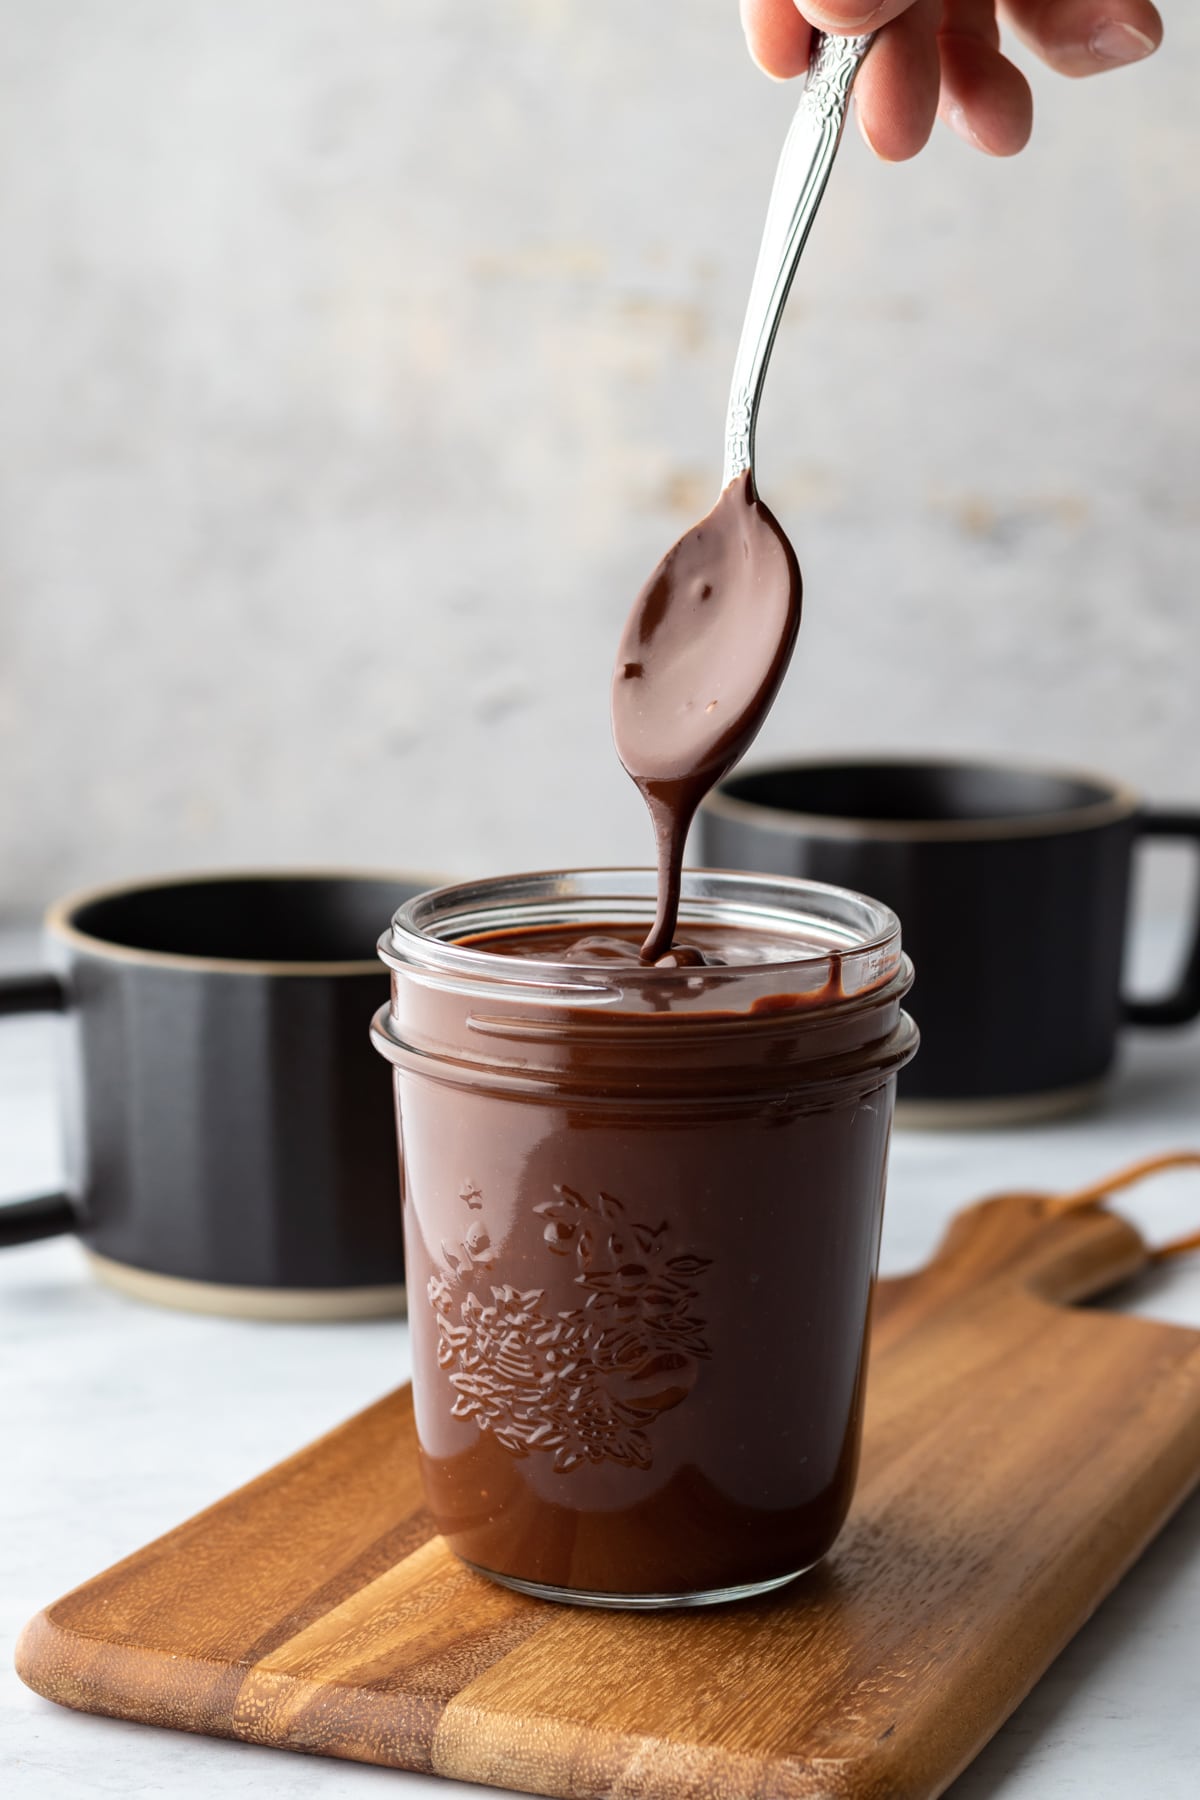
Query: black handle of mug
{"type": "Point", "coordinates": [1183, 1004]}
{"type": "Point", "coordinates": [44, 1215]}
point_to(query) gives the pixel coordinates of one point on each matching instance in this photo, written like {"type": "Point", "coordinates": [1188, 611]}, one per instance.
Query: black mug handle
{"type": "Point", "coordinates": [1183, 1004]}
{"type": "Point", "coordinates": [44, 1215]}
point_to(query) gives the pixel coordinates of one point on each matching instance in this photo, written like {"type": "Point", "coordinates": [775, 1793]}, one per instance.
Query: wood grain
{"type": "Point", "coordinates": [1018, 1456]}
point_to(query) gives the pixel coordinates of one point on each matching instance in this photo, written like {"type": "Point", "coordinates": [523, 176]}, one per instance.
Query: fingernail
{"type": "Point", "coordinates": [1112, 42]}
{"type": "Point", "coordinates": [841, 24]}
{"type": "Point", "coordinates": [957, 120]}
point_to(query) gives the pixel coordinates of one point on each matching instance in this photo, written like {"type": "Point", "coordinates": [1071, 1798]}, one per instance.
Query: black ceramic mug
{"type": "Point", "coordinates": [1012, 886]}
{"type": "Point", "coordinates": [230, 1143]}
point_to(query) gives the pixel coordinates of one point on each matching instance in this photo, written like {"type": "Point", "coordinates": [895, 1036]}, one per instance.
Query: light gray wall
{"type": "Point", "coordinates": [358, 361]}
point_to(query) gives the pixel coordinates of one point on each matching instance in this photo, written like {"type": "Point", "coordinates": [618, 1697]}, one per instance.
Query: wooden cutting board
{"type": "Point", "coordinates": [1019, 1455]}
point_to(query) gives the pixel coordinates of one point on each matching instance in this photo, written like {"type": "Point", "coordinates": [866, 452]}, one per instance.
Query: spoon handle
{"type": "Point", "coordinates": [800, 179]}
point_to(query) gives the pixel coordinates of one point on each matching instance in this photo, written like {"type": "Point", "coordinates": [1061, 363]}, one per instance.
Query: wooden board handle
{"type": "Point", "coordinates": [1012, 1242]}
{"type": "Point", "coordinates": [1058, 1248]}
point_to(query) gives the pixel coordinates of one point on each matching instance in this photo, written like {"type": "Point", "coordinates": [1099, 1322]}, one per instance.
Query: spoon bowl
{"type": "Point", "coordinates": [701, 658]}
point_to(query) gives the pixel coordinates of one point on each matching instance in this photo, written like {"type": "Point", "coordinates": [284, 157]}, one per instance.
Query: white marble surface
{"type": "Point", "coordinates": [118, 1420]}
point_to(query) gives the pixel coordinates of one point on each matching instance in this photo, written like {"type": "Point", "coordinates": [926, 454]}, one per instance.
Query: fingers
{"type": "Point", "coordinates": [778, 38]}
{"type": "Point", "coordinates": [896, 92]}
{"type": "Point", "coordinates": [1084, 37]}
{"type": "Point", "coordinates": [897, 87]}
{"type": "Point", "coordinates": [852, 15]}
{"type": "Point", "coordinates": [984, 98]}
{"type": "Point", "coordinates": [779, 31]}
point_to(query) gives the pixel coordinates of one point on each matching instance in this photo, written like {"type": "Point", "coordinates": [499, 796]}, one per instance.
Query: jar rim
{"type": "Point", "coordinates": [828, 922]}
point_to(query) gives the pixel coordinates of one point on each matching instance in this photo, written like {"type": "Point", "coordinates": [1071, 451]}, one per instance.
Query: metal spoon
{"type": "Point", "coordinates": [800, 178]}
{"type": "Point", "coordinates": [710, 635]}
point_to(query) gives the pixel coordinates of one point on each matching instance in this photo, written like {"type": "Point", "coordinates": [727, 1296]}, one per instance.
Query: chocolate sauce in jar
{"type": "Point", "coordinates": [641, 1247]}
{"type": "Point", "coordinates": [617, 946]}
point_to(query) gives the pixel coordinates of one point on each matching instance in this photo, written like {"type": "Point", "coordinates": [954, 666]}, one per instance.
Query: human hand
{"type": "Point", "coordinates": [941, 58]}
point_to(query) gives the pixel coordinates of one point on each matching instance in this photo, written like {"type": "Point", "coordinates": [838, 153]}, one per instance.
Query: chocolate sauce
{"type": "Point", "coordinates": [700, 661]}
{"type": "Point", "coordinates": [640, 1253]}
{"type": "Point", "coordinates": [712, 948]}
{"type": "Point", "coordinates": [617, 946]}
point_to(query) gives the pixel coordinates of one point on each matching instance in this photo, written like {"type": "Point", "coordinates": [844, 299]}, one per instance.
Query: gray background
{"type": "Point", "coordinates": [358, 361]}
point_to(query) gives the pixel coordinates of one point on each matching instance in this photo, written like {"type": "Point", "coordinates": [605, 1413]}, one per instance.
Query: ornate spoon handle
{"type": "Point", "coordinates": [800, 179]}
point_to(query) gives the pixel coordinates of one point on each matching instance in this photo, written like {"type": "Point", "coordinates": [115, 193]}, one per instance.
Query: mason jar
{"type": "Point", "coordinates": [642, 1216]}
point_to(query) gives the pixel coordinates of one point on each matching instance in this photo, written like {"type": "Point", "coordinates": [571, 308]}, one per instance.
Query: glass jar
{"type": "Point", "coordinates": [642, 1217]}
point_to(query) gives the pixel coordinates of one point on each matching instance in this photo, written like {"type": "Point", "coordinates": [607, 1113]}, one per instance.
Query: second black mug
{"type": "Point", "coordinates": [1012, 886]}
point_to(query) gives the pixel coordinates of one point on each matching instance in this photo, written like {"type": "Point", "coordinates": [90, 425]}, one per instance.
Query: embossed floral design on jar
{"type": "Point", "coordinates": [582, 1383]}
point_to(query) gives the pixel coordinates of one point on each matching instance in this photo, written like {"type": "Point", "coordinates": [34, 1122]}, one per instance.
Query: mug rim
{"type": "Point", "coordinates": [1119, 801]}
{"type": "Point", "coordinates": [58, 920]}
